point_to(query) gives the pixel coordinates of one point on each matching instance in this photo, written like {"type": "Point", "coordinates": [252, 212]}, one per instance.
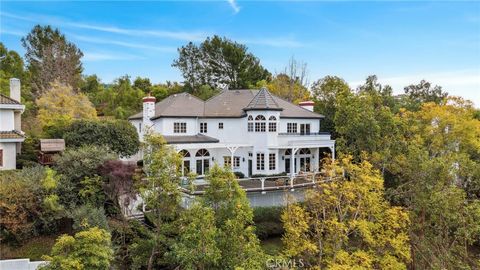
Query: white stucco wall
{"type": "Point", "coordinates": [9, 155]}
{"type": "Point", "coordinates": [235, 131]}
{"type": "Point", "coordinates": [6, 120]}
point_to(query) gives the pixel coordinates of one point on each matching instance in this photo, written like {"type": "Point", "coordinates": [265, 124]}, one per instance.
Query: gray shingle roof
{"type": "Point", "coordinates": [227, 104]}
{"type": "Point", "coordinates": [199, 138]}
{"type": "Point", "coordinates": [263, 100]}
{"type": "Point", "coordinates": [7, 100]}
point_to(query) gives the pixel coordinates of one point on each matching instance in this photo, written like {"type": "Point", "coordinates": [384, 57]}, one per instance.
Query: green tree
{"type": "Point", "coordinates": [87, 216]}
{"type": "Point", "coordinates": [423, 92]}
{"type": "Point", "coordinates": [29, 203]}
{"type": "Point", "coordinates": [347, 223]}
{"type": "Point", "coordinates": [196, 247]}
{"type": "Point", "coordinates": [219, 62]}
{"type": "Point", "coordinates": [118, 135]}
{"type": "Point", "coordinates": [76, 164]}
{"type": "Point", "coordinates": [287, 88]}
{"type": "Point", "coordinates": [161, 194]}
{"type": "Point", "coordinates": [61, 105]}
{"type": "Point", "coordinates": [89, 249]}
{"type": "Point", "coordinates": [121, 99]}
{"type": "Point", "coordinates": [50, 57]}
{"type": "Point", "coordinates": [438, 176]}
{"type": "Point", "coordinates": [236, 239]}
{"type": "Point", "coordinates": [325, 94]}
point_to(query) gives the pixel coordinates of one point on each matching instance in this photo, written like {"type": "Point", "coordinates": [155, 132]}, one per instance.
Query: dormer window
{"type": "Point", "coordinates": [272, 124]}
{"type": "Point", "coordinates": [260, 124]}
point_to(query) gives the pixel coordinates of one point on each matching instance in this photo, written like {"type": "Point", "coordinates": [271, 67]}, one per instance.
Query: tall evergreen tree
{"type": "Point", "coordinates": [51, 57]}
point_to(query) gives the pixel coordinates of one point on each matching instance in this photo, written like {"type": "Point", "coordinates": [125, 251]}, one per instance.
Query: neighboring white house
{"type": "Point", "coordinates": [251, 131]}
{"type": "Point", "coordinates": [11, 135]}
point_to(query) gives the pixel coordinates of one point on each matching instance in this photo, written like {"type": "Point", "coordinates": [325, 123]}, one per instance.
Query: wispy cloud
{"type": "Point", "coordinates": [176, 35]}
{"type": "Point", "coordinates": [11, 32]}
{"type": "Point", "coordinates": [234, 5]}
{"type": "Point", "coordinates": [99, 56]}
{"type": "Point", "coordinates": [122, 43]}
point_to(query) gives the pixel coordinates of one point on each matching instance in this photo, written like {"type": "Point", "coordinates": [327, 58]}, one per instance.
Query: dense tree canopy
{"type": "Point", "coordinates": [50, 57]}
{"type": "Point", "coordinates": [118, 135]}
{"type": "Point", "coordinates": [347, 224]}
{"type": "Point", "coordinates": [219, 63]}
{"type": "Point", "coordinates": [61, 105]}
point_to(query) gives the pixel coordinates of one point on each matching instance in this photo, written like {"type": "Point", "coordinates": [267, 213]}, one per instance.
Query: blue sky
{"type": "Point", "coordinates": [400, 42]}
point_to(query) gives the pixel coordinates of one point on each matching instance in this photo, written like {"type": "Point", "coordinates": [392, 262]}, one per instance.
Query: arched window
{"type": "Point", "coordinates": [260, 118]}
{"type": "Point", "coordinates": [272, 124]}
{"type": "Point", "coordinates": [184, 153]}
{"type": "Point", "coordinates": [304, 151]}
{"type": "Point", "coordinates": [202, 160]}
{"type": "Point", "coordinates": [250, 123]}
{"type": "Point", "coordinates": [202, 153]}
{"type": "Point", "coordinates": [260, 124]}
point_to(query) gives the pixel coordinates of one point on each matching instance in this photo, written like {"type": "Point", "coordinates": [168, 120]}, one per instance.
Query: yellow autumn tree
{"type": "Point", "coordinates": [346, 223]}
{"type": "Point", "coordinates": [62, 105]}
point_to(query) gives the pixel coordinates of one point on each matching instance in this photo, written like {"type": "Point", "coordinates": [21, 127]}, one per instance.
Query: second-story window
{"type": "Point", "coordinates": [250, 123]}
{"type": "Point", "coordinates": [203, 127]}
{"type": "Point", "coordinates": [179, 127]}
{"type": "Point", "coordinates": [260, 125]}
{"type": "Point", "coordinates": [220, 125]}
{"type": "Point", "coordinates": [291, 127]}
{"type": "Point", "coordinates": [272, 124]}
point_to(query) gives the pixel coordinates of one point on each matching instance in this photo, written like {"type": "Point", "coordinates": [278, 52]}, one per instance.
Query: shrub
{"type": "Point", "coordinates": [239, 175]}
{"type": "Point", "coordinates": [267, 221]}
{"type": "Point", "coordinates": [119, 135]}
{"type": "Point", "coordinates": [75, 165]}
{"type": "Point", "coordinates": [87, 216]}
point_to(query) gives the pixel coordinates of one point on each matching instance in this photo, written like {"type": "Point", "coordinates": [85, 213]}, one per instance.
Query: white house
{"type": "Point", "coordinates": [11, 135]}
{"type": "Point", "coordinates": [251, 131]}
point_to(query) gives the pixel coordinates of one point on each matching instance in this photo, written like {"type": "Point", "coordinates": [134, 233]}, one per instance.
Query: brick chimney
{"type": "Point", "coordinates": [307, 105]}
{"type": "Point", "coordinates": [15, 89]}
{"type": "Point", "coordinates": [148, 111]}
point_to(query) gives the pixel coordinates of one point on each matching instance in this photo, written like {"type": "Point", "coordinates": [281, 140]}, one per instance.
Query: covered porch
{"type": "Point", "coordinates": [199, 158]}
{"type": "Point", "coordinates": [304, 158]}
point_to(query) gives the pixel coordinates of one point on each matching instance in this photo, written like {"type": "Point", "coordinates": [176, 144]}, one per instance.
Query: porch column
{"type": "Point", "coordinates": [292, 164]}
{"type": "Point", "coordinates": [332, 149]}
{"type": "Point", "coordinates": [232, 150]}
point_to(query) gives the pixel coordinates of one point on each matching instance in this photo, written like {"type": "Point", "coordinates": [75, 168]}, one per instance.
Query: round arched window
{"type": "Point", "coordinates": [202, 153]}
{"type": "Point", "coordinates": [260, 118]}
{"type": "Point", "coordinates": [184, 153]}
{"type": "Point", "coordinates": [305, 151]}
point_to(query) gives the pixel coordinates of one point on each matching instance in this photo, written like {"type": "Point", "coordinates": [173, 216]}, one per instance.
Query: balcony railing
{"type": "Point", "coordinates": [303, 134]}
